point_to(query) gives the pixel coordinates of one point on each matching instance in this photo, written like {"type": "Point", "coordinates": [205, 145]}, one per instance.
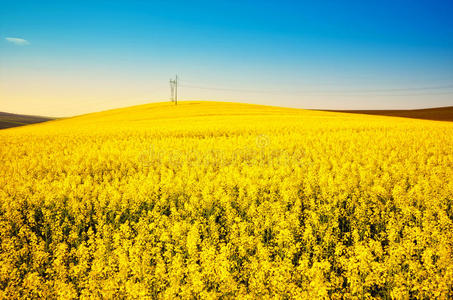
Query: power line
{"type": "Point", "coordinates": [408, 89]}
{"type": "Point", "coordinates": [176, 90]}
{"type": "Point", "coordinates": [226, 89]}
{"type": "Point", "coordinates": [349, 91]}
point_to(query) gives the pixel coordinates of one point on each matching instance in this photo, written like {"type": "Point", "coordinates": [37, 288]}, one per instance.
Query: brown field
{"type": "Point", "coordinates": [8, 120]}
{"type": "Point", "coordinates": [437, 114]}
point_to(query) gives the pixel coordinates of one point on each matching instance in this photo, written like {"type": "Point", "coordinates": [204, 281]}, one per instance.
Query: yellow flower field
{"type": "Point", "coordinates": [223, 200]}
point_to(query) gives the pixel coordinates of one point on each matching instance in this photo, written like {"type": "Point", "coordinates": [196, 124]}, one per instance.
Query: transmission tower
{"type": "Point", "coordinates": [174, 90]}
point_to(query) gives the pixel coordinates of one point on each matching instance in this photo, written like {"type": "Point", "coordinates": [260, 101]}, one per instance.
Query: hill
{"type": "Point", "coordinates": [184, 116]}
{"type": "Point", "coordinates": [225, 200]}
{"type": "Point", "coordinates": [8, 120]}
{"type": "Point", "coordinates": [438, 113]}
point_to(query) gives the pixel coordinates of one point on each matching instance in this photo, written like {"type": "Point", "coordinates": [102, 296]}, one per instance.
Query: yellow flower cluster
{"type": "Point", "coordinates": [222, 200]}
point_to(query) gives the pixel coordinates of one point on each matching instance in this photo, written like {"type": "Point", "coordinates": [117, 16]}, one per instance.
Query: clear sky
{"type": "Point", "coordinates": [61, 58]}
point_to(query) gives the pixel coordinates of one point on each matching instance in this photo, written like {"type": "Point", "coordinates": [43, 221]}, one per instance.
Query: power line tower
{"type": "Point", "coordinates": [174, 90]}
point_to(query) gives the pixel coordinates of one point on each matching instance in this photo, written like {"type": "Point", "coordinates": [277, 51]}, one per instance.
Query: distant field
{"type": "Point", "coordinates": [437, 114]}
{"type": "Point", "coordinates": [208, 200]}
{"type": "Point", "coordinates": [8, 120]}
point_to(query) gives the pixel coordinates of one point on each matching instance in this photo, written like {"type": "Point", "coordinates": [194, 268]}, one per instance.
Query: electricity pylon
{"type": "Point", "coordinates": [174, 90]}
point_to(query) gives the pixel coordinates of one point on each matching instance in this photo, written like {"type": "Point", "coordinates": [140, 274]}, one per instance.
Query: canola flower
{"type": "Point", "coordinates": [221, 200]}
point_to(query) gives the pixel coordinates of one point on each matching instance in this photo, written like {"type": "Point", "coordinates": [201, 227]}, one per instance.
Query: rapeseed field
{"type": "Point", "coordinates": [223, 200]}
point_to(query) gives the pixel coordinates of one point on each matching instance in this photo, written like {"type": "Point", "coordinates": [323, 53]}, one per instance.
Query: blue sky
{"type": "Point", "coordinates": [82, 56]}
